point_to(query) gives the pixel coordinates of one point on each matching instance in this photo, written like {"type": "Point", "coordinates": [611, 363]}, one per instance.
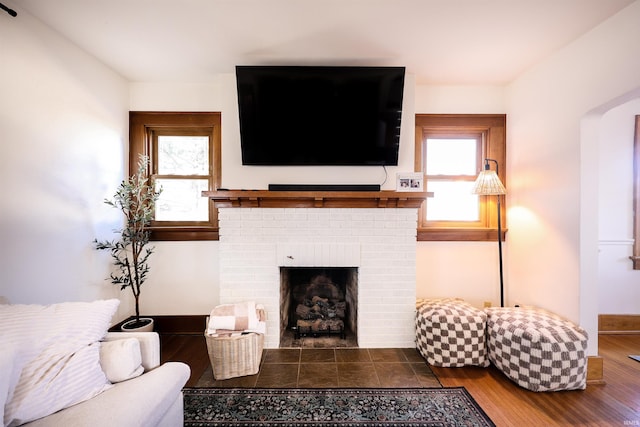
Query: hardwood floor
{"type": "Point", "coordinates": [188, 348]}
{"type": "Point", "coordinates": [614, 403]}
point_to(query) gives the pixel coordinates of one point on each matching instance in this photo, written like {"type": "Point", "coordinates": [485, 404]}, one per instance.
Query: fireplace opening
{"type": "Point", "coordinates": [319, 304]}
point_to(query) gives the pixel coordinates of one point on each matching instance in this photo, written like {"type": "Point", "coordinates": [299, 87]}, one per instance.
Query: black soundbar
{"type": "Point", "coordinates": [324, 187]}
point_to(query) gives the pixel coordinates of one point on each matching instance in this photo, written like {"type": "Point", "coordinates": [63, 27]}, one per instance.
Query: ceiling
{"type": "Point", "coordinates": [439, 41]}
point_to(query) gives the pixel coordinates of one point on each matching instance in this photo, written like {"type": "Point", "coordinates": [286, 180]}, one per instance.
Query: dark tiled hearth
{"type": "Point", "coordinates": [309, 362]}
{"type": "Point", "coordinates": [288, 340]}
{"type": "Point", "coordinates": [333, 367]}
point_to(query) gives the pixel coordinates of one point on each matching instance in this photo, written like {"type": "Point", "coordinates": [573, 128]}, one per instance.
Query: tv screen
{"type": "Point", "coordinates": [308, 115]}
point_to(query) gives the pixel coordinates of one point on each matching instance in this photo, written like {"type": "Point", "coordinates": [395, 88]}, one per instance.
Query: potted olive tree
{"type": "Point", "coordinates": [136, 198]}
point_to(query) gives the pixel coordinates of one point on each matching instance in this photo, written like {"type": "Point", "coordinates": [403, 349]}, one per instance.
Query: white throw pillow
{"type": "Point", "coordinates": [121, 360]}
{"type": "Point", "coordinates": [7, 358]}
{"type": "Point", "coordinates": [59, 355]}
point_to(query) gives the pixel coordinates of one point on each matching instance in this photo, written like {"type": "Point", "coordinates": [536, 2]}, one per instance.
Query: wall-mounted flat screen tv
{"type": "Point", "coordinates": [323, 116]}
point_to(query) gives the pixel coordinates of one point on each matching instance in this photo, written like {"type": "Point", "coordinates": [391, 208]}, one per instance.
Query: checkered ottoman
{"type": "Point", "coordinates": [450, 332]}
{"type": "Point", "coordinates": [538, 350]}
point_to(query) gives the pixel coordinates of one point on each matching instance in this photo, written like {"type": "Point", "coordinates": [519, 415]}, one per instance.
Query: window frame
{"type": "Point", "coordinates": [142, 127]}
{"type": "Point", "coordinates": [492, 128]}
{"type": "Point", "coordinates": [635, 257]}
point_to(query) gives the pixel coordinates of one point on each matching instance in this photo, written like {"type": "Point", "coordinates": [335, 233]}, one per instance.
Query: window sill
{"type": "Point", "coordinates": [459, 234]}
{"type": "Point", "coordinates": [184, 233]}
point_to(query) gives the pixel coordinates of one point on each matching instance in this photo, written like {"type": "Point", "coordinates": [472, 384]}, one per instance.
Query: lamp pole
{"type": "Point", "coordinates": [488, 184]}
{"type": "Point", "coordinates": [500, 252]}
{"type": "Point", "coordinates": [499, 233]}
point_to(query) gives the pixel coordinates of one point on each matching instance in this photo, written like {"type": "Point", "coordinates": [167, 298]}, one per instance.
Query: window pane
{"type": "Point", "coordinates": [451, 156]}
{"type": "Point", "coordinates": [181, 200]}
{"type": "Point", "coordinates": [452, 201]}
{"type": "Point", "coordinates": [183, 155]}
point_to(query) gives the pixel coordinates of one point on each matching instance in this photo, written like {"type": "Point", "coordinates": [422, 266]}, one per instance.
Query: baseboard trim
{"type": "Point", "coordinates": [174, 324]}
{"type": "Point", "coordinates": [619, 323]}
{"type": "Point", "coordinates": [595, 370]}
{"type": "Point", "coordinates": [181, 324]}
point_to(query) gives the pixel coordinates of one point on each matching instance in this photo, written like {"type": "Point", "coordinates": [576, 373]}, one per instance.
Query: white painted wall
{"type": "Point", "coordinates": [553, 215]}
{"type": "Point", "coordinates": [63, 120]}
{"type": "Point", "coordinates": [462, 270]}
{"type": "Point", "coordinates": [63, 148]}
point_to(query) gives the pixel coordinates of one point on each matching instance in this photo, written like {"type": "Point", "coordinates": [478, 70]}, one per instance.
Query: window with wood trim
{"type": "Point", "coordinates": [450, 150]}
{"type": "Point", "coordinates": [184, 151]}
{"type": "Point", "coordinates": [636, 197]}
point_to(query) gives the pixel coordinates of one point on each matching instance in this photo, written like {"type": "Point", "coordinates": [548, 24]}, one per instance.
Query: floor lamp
{"type": "Point", "coordinates": [488, 184]}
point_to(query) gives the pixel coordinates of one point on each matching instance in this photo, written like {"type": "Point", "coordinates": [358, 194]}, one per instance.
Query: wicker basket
{"type": "Point", "coordinates": [235, 356]}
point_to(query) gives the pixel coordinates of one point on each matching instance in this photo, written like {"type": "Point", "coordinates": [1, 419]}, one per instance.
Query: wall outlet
{"type": "Point", "coordinates": [487, 304]}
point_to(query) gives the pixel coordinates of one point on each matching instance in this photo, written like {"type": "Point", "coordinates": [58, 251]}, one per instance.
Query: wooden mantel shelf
{"type": "Point", "coordinates": [315, 199]}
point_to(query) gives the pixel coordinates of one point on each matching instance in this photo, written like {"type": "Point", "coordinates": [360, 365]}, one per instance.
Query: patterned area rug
{"type": "Point", "coordinates": [443, 407]}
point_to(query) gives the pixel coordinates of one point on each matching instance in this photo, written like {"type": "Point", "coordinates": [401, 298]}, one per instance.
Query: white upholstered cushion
{"type": "Point", "coordinates": [149, 400]}
{"type": "Point", "coordinates": [121, 359]}
{"type": "Point", "coordinates": [451, 332]}
{"type": "Point", "coordinates": [149, 346]}
{"type": "Point", "coordinates": [57, 355]}
{"type": "Point", "coordinates": [7, 356]}
{"type": "Point", "coordinates": [537, 349]}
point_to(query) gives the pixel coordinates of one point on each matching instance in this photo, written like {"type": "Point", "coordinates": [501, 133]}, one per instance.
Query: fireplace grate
{"type": "Point", "coordinates": [302, 331]}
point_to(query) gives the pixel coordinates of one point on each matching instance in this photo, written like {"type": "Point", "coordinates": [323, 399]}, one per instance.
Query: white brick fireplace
{"type": "Point", "coordinates": [381, 243]}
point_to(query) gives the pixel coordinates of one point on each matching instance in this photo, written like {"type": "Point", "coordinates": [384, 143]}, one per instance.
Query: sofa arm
{"type": "Point", "coordinates": [149, 346]}
{"type": "Point", "coordinates": [145, 401]}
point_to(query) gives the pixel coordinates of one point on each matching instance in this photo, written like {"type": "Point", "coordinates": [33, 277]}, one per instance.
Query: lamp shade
{"type": "Point", "coordinates": [488, 184]}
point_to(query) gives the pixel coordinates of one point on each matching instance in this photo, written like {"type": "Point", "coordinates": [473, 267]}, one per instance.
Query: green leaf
{"type": "Point", "coordinates": [135, 197]}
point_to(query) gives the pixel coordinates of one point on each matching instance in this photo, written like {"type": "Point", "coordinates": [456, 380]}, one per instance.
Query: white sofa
{"type": "Point", "coordinates": [58, 371]}
{"type": "Point", "coordinates": [151, 399]}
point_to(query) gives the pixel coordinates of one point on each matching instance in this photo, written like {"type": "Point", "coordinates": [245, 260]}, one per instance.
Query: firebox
{"type": "Point", "coordinates": [318, 302]}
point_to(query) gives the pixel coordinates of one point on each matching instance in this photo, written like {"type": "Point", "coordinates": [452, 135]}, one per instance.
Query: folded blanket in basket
{"type": "Point", "coordinates": [232, 319]}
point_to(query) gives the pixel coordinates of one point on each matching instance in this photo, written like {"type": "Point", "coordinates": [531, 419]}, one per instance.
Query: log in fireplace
{"type": "Point", "coordinates": [319, 301]}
